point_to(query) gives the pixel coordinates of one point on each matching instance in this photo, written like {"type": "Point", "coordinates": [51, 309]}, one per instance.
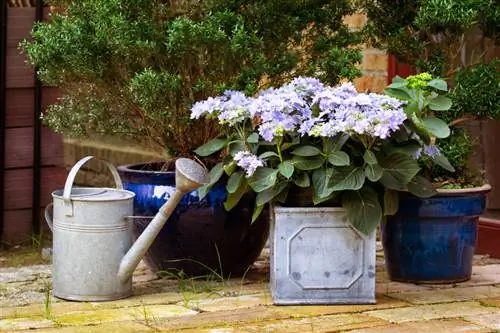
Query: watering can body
{"type": "Point", "coordinates": [91, 234]}
{"type": "Point", "coordinates": [93, 251]}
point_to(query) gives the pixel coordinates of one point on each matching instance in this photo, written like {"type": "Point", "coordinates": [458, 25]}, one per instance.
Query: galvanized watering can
{"type": "Point", "coordinates": [93, 254]}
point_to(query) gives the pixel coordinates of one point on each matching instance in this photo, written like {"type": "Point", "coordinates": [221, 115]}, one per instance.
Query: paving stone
{"type": "Point", "coordinates": [119, 327]}
{"type": "Point", "coordinates": [490, 320]}
{"type": "Point", "coordinates": [434, 311]}
{"type": "Point", "coordinates": [431, 326]}
{"type": "Point", "coordinates": [491, 302]}
{"type": "Point", "coordinates": [10, 325]}
{"type": "Point", "coordinates": [140, 313]}
{"type": "Point", "coordinates": [296, 311]}
{"type": "Point", "coordinates": [323, 324]}
{"type": "Point", "coordinates": [228, 303]}
{"type": "Point", "coordinates": [399, 287]}
{"type": "Point", "coordinates": [448, 295]}
{"type": "Point", "coordinates": [228, 318]}
{"type": "Point", "coordinates": [38, 310]}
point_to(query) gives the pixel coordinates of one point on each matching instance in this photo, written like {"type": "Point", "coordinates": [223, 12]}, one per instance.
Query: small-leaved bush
{"type": "Point", "coordinates": [135, 67]}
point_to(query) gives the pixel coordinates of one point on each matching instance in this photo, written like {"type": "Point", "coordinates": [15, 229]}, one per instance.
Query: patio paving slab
{"type": "Point", "coordinates": [245, 306]}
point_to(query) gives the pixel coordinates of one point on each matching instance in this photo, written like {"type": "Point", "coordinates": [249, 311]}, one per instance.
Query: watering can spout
{"type": "Point", "coordinates": [189, 176]}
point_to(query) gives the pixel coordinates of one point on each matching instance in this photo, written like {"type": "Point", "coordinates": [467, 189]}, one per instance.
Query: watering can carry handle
{"type": "Point", "coordinates": [49, 214]}
{"type": "Point", "coordinates": [71, 178]}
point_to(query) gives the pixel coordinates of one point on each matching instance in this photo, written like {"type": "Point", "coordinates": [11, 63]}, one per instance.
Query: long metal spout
{"type": "Point", "coordinates": [189, 176]}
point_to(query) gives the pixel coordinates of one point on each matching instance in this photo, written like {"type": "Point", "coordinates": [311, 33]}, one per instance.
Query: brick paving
{"type": "Point", "coordinates": [244, 305]}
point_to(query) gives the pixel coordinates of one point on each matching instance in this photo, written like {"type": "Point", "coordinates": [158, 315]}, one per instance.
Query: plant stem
{"type": "Point", "coordinates": [278, 147]}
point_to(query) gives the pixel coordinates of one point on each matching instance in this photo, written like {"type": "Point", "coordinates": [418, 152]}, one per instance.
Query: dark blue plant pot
{"type": "Point", "coordinates": [200, 237]}
{"type": "Point", "coordinates": [433, 240]}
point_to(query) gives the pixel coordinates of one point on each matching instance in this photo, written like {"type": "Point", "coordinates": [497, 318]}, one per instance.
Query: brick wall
{"type": "Point", "coordinates": [374, 64]}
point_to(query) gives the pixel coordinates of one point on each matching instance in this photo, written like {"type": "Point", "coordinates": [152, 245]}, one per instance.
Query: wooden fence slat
{"type": "Point", "coordinates": [19, 147]}
{"type": "Point", "coordinates": [18, 190]}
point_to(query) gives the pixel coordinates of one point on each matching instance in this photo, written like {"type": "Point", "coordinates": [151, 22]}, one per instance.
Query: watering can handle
{"type": "Point", "coordinates": [49, 214]}
{"type": "Point", "coordinates": [71, 178]}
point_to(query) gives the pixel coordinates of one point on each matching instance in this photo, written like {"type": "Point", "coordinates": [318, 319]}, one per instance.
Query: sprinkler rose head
{"type": "Point", "coordinates": [189, 175]}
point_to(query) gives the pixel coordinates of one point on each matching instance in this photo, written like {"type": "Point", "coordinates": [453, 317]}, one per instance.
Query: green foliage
{"type": "Point", "coordinates": [358, 169]}
{"type": "Point", "coordinates": [453, 39]}
{"type": "Point", "coordinates": [429, 34]}
{"type": "Point", "coordinates": [476, 92]}
{"type": "Point", "coordinates": [424, 96]}
{"type": "Point", "coordinates": [135, 67]}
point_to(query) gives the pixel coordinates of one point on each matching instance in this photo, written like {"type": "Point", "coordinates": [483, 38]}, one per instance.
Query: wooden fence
{"type": "Point", "coordinates": [32, 160]}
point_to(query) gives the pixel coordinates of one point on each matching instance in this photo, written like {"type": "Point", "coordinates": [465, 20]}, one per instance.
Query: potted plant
{"type": "Point", "coordinates": [457, 41]}
{"type": "Point", "coordinates": [133, 69]}
{"type": "Point", "coordinates": [329, 160]}
{"type": "Point", "coordinates": [432, 240]}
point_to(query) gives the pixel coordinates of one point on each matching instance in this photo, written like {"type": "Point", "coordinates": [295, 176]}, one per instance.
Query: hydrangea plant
{"type": "Point", "coordinates": [352, 149]}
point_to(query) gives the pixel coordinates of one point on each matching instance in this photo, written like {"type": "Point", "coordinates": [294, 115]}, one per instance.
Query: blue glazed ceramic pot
{"type": "Point", "coordinates": [201, 235]}
{"type": "Point", "coordinates": [433, 240]}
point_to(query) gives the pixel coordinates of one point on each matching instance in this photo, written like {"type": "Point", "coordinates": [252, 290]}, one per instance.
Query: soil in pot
{"type": "Point", "coordinates": [201, 236]}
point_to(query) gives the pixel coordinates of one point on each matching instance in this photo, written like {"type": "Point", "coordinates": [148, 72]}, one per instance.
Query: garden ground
{"type": "Point", "coordinates": [207, 304]}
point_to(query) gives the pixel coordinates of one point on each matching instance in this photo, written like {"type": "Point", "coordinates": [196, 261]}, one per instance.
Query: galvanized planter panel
{"type": "Point", "coordinates": [317, 257]}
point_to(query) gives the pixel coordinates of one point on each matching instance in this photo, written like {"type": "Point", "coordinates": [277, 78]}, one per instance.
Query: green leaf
{"type": "Point", "coordinates": [269, 194]}
{"type": "Point", "coordinates": [253, 138]}
{"type": "Point", "coordinates": [363, 209]}
{"type": "Point", "coordinates": [268, 154]}
{"type": "Point", "coordinates": [215, 174]}
{"type": "Point", "coordinates": [410, 148]}
{"type": "Point", "coordinates": [339, 158]}
{"type": "Point", "coordinates": [412, 109]}
{"type": "Point", "coordinates": [399, 93]}
{"type": "Point", "coordinates": [374, 172]}
{"type": "Point", "coordinates": [391, 202]}
{"type": "Point", "coordinates": [233, 198]}
{"type": "Point", "coordinates": [307, 163]}
{"type": "Point", "coordinates": [347, 178]}
{"type": "Point", "coordinates": [421, 187]}
{"type": "Point", "coordinates": [236, 146]}
{"type": "Point", "coordinates": [321, 180]}
{"type": "Point", "coordinates": [286, 168]}
{"type": "Point", "coordinates": [235, 181]}
{"type": "Point", "coordinates": [398, 84]}
{"type": "Point", "coordinates": [335, 144]}
{"type": "Point", "coordinates": [302, 180]}
{"type": "Point", "coordinates": [443, 162]}
{"type": "Point", "coordinates": [256, 213]}
{"type": "Point", "coordinates": [317, 200]}
{"type": "Point", "coordinates": [211, 147]}
{"type": "Point", "coordinates": [399, 170]}
{"type": "Point", "coordinates": [370, 157]}
{"type": "Point", "coordinates": [306, 151]}
{"type": "Point", "coordinates": [281, 197]}
{"type": "Point", "coordinates": [288, 145]}
{"type": "Point", "coordinates": [438, 84]}
{"type": "Point", "coordinates": [440, 103]}
{"type": "Point", "coordinates": [436, 127]}
{"type": "Point", "coordinates": [262, 179]}
{"type": "Point", "coordinates": [230, 168]}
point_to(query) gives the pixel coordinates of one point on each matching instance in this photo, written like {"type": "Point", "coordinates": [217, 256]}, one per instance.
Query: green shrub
{"type": "Point", "coordinates": [135, 67]}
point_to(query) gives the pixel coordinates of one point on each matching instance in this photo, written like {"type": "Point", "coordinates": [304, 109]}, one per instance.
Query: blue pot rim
{"type": "Point", "coordinates": [462, 192]}
{"type": "Point", "coordinates": [135, 168]}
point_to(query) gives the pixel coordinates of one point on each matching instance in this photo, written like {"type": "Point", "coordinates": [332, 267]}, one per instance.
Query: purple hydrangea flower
{"type": "Point", "coordinates": [248, 162]}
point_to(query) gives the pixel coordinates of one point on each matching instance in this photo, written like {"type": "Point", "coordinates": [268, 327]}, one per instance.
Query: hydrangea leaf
{"type": "Point", "coordinates": [262, 179]}
{"type": "Point", "coordinates": [363, 209]}
{"type": "Point", "coordinates": [347, 178]}
{"type": "Point", "coordinates": [211, 147]}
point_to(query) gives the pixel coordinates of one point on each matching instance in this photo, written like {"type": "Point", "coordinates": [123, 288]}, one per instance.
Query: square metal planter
{"type": "Point", "coordinates": [317, 257]}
